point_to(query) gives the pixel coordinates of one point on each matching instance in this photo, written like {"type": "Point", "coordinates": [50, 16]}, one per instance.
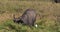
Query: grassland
{"type": "Point", "coordinates": [48, 18]}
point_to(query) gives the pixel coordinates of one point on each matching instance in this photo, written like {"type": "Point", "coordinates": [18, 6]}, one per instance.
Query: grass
{"type": "Point", "coordinates": [10, 26]}
{"type": "Point", "coordinates": [48, 19]}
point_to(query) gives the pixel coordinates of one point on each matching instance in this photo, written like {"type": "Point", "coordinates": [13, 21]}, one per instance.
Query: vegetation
{"type": "Point", "coordinates": [48, 19]}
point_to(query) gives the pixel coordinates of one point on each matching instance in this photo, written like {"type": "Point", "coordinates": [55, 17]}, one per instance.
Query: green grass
{"type": "Point", "coordinates": [10, 26]}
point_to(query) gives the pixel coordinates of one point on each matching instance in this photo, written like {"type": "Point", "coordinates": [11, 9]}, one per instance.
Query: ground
{"type": "Point", "coordinates": [48, 18]}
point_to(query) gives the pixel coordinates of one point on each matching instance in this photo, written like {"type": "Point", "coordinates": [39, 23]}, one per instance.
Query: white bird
{"type": "Point", "coordinates": [36, 25]}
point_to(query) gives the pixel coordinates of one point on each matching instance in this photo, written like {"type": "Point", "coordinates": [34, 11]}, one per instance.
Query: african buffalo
{"type": "Point", "coordinates": [28, 17]}
{"type": "Point", "coordinates": [57, 1]}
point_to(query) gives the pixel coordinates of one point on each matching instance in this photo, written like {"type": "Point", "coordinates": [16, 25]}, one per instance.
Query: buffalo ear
{"type": "Point", "coordinates": [14, 19]}
{"type": "Point", "coordinates": [14, 16]}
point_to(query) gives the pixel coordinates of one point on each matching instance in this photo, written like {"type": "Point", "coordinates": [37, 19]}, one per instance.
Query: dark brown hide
{"type": "Point", "coordinates": [29, 17]}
